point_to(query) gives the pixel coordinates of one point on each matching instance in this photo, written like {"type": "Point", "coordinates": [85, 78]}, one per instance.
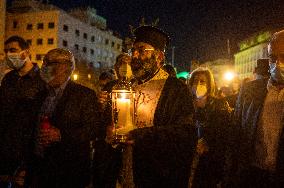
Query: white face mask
{"type": "Point", "coordinates": [200, 91]}
{"type": "Point", "coordinates": [15, 61]}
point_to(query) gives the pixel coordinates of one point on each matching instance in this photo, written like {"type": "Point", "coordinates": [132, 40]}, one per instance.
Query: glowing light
{"type": "Point", "coordinates": [75, 76]}
{"type": "Point", "coordinates": [89, 76]}
{"type": "Point", "coordinates": [229, 76]}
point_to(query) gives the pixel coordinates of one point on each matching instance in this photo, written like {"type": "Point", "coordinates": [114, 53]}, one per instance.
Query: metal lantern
{"type": "Point", "coordinates": [123, 112]}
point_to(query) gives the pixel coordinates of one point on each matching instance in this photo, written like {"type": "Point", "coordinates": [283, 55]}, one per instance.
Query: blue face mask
{"type": "Point", "coordinates": [277, 72]}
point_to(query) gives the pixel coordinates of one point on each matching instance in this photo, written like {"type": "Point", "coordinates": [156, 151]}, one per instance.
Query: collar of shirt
{"type": "Point", "coordinates": [55, 91]}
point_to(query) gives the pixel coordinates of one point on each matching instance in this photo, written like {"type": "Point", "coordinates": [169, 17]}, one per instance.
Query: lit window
{"type": "Point", "coordinates": [39, 41]}
{"type": "Point", "coordinates": [29, 26]}
{"type": "Point", "coordinates": [40, 26]}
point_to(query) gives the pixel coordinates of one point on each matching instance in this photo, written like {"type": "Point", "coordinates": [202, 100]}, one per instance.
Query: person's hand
{"type": "Point", "coordinates": [103, 98]}
{"type": "Point", "coordinates": [202, 147]}
{"type": "Point", "coordinates": [49, 136]}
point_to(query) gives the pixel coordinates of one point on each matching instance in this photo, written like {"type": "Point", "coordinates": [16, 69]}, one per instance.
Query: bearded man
{"type": "Point", "coordinates": [160, 149]}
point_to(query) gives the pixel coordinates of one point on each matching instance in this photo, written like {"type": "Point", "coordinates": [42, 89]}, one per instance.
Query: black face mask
{"type": "Point", "coordinates": [144, 70]}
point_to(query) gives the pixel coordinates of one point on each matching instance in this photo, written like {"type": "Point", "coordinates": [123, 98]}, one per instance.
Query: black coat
{"type": "Point", "coordinates": [248, 109]}
{"type": "Point", "coordinates": [162, 154]}
{"type": "Point", "coordinates": [67, 163]}
{"type": "Point", "coordinates": [215, 120]}
{"type": "Point", "coordinates": [20, 99]}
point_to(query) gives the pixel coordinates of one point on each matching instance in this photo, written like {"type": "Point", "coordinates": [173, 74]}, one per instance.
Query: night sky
{"type": "Point", "coordinates": [199, 29]}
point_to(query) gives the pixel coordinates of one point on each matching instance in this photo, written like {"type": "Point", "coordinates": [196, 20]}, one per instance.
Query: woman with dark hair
{"type": "Point", "coordinates": [212, 118]}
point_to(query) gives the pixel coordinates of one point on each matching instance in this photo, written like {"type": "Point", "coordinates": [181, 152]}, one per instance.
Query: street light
{"type": "Point", "coordinates": [229, 76]}
{"type": "Point", "coordinates": [75, 77]}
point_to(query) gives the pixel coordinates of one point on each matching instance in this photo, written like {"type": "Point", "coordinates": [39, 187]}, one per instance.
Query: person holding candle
{"type": "Point", "coordinates": [164, 139]}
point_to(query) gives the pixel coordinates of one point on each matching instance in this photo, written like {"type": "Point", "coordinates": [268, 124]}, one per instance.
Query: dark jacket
{"type": "Point", "coordinates": [214, 121]}
{"type": "Point", "coordinates": [162, 154]}
{"type": "Point", "coordinates": [67, 163]}
{"type": "Point", "coordinates": [20, 99]}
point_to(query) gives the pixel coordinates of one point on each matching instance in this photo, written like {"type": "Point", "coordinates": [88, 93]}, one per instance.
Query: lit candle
{"type": "Point", "coordinates": [124, 123]}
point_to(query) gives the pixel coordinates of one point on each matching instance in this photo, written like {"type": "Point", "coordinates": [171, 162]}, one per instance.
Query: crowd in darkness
{"type": "Point", "coordinates": [55, 133]}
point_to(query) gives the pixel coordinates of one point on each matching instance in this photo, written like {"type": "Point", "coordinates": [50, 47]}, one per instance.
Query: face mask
{"type": "Point", "coordinates": [46, 74]}
{"type": "Point", "coordinates": [277, 72]}
{"type": "Point", "coordinates": [125, 70]}
{"type": "Point", "coordinates": [200, 91]}
{"type": "Point", "coordinates": [15, 61]}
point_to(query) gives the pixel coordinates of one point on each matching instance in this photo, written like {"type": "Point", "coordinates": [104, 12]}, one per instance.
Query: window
{"type": "Point", "coordinates": [15, 24]}
{"type": "Point", "coordinates": [118, 46]}
{"type": "Point", "coordinates": [93, 39]}
{"type": "Point", "coordinates": [112, 44]}
{"type": "Point", "coordinates": [106, 41]}
{"type": "Point", "coordinates": [38, 57]}
{"type": "Point", "coordinates": [51, 25]}
{"type": "Point", "coordinates": [40, 26]}
{"type": "Point", "coordinates": [50, 41]}
{"type": "Point", "coordinates": [76, 46]}
{"type": "Point", "coordinates": [39, 41]}
{"type": "Point", "coordinates": [84, 49]}
{"type": "Point", "coordinates": [65, 27]}
{"type": "Point", "coordinates": [77, 32]}
{"type": "Point", "coordinates": [85, 36]}
{"type": "Point", "coordinates": [65, 43]}
{"type": "Point", "coordinates": [29, 41]}
{"type": "Point", "coordinates": [92, 52]}
{"type": "Point", "coordinates": [29, 26]}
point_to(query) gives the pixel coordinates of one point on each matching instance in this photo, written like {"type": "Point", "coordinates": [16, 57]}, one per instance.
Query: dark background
{"type": "Point", "coordinates": [199, 29]}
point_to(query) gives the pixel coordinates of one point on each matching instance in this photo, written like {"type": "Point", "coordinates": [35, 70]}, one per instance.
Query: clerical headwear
{"type": "Point", "coordinates": [153, 36]}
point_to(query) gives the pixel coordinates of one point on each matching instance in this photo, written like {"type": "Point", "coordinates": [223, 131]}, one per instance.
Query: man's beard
{"type": "Point", "coordinates": [144, 70]}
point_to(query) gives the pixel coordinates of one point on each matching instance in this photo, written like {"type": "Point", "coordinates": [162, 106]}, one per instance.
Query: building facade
{"type": "Point", "coordinates": [46, 27]}
{"type": "Point", "coordinates": [2, 27]}
{"type": "Point", "coordinates": [251, 50]}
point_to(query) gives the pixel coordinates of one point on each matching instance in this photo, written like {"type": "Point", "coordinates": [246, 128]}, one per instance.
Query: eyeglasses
{"type": "Point", "coordinates": [140, 50]}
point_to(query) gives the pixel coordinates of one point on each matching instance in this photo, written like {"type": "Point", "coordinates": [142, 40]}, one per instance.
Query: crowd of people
{"type": "Point", "coordinates": [55, 133]}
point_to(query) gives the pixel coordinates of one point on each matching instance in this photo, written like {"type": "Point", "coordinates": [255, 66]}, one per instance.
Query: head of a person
{"type": "Point", "coordinates": [235, 85]}
{"type": "Point", "coordinates": [17, 52]}
{"type": "Point", "coordinates": [104, 78]}
{"type": "Point", "coordinates": [148, 52]}
{"type": "Point", "coordinates": [202, 83]}
{"type": "Point", "coordinates": [276, 57]}
{"type": "Point", "coordinates": [122, 66]}
{"type": "Point", "coordinates": [170, 70]}
{"type": "Point", "coordinates": [262, 68]}
{"type": "Point", "coordinates": [58, 65]}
